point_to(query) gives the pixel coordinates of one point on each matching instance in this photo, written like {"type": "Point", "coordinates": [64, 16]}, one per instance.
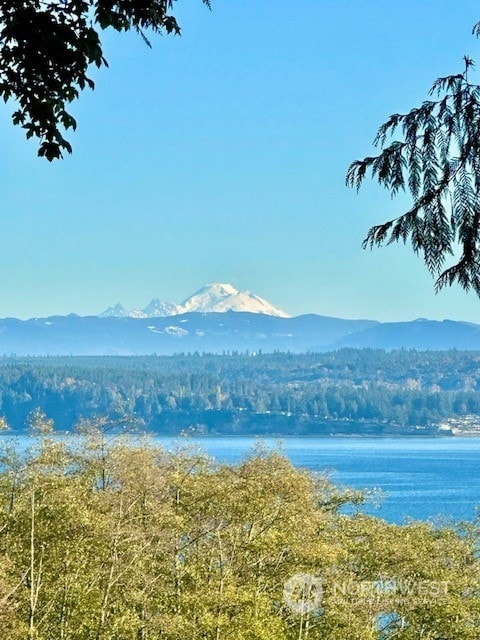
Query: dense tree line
{"type": "Point", "coordinates": [242, 393]}
{"type": "Point", "coordinates": [114, 539]}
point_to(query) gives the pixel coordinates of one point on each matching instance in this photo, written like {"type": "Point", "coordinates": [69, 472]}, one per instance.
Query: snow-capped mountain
{"type": "Point", "coordinates": [219, 298]}
{"type": "Point", "coordinates": [119, 311]}
{"type": "Point", "coordinates": [160, 308]}
{"type": "Point", "coordinates": [209, 297]}
{"type": "Point", "coordinates": [213, 298]}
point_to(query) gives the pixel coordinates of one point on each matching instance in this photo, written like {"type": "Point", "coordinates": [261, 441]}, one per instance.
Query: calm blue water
{"type": "Point", "coordinates": [420, 478]}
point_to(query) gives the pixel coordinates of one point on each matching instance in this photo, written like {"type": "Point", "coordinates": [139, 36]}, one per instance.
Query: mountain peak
{"type": "Point", "coordinates": [213, 297]}
{"type": "Point", "coordinates": [208, 297]}
{"type": "Point", "coordinates": [222, 289]}
{"type": "Point", "coordinates": [219, 298]}
{"type": "Point", "coordinates": [116, 311]}
{"type": "Point", "coordinates": [160, 308]}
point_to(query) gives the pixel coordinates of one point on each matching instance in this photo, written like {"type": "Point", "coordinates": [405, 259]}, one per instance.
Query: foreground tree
{"type": "Point", "coordinates": [437, 160]}
{"type": "Point", "coordinates": [47, 47]}
{"type": "Point", "coordinates": [152, 545]}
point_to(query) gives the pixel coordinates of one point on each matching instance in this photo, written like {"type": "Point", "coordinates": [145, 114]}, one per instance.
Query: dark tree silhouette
{"type": "Point", "coordinates": [46, 48]}
{"type": "Point", "coordinates": [437, 160]}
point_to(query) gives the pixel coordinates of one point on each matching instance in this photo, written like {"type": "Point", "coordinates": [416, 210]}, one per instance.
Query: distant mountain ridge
{"type": "Point", "coordinates": [214, 332]}
{"type": "Point", "coordinates": [212, 298]}
{"type": "Point", "coordinates": [219, 332]}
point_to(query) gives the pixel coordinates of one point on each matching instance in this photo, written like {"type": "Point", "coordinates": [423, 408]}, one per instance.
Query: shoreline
{"type": "Point", "coordinates": [263, 436]}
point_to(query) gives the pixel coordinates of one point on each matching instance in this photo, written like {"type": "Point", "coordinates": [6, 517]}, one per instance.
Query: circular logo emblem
{"type": "Point", "coordinates": [302, 593]}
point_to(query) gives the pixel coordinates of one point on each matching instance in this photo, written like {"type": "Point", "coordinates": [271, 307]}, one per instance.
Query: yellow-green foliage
{"type": "Point", "coordinates": [109, 539]}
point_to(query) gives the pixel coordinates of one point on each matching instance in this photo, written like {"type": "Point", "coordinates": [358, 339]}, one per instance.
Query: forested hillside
{"type": "Point", "coordinates": [345, 391]}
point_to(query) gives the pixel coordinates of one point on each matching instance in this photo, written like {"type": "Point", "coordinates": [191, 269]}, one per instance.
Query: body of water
{"type": "Point", "coordinates": [420, 478]}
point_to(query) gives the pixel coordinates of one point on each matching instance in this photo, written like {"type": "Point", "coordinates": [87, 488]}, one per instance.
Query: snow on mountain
{"type": "Point", "coordinates": [206, 298]}
{"type": "Point", "coordinates": [160, 308]}
{"type": "Point", "coordinates": [223, 297]}
{"type": "Point", "coordinates": [117, 311]}
{"type": "Point", "coordinates": [136, 313]}
{"type": "Point", "coordinates": [212, 298]}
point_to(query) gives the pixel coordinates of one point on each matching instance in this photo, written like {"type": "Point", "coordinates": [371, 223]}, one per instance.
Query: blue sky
{"type": "Point", "coordinates": [220, 156]}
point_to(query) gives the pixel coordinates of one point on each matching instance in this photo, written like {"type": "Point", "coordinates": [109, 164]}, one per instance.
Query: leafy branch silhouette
{"type": "Point", "coordinates": [437, 161]}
